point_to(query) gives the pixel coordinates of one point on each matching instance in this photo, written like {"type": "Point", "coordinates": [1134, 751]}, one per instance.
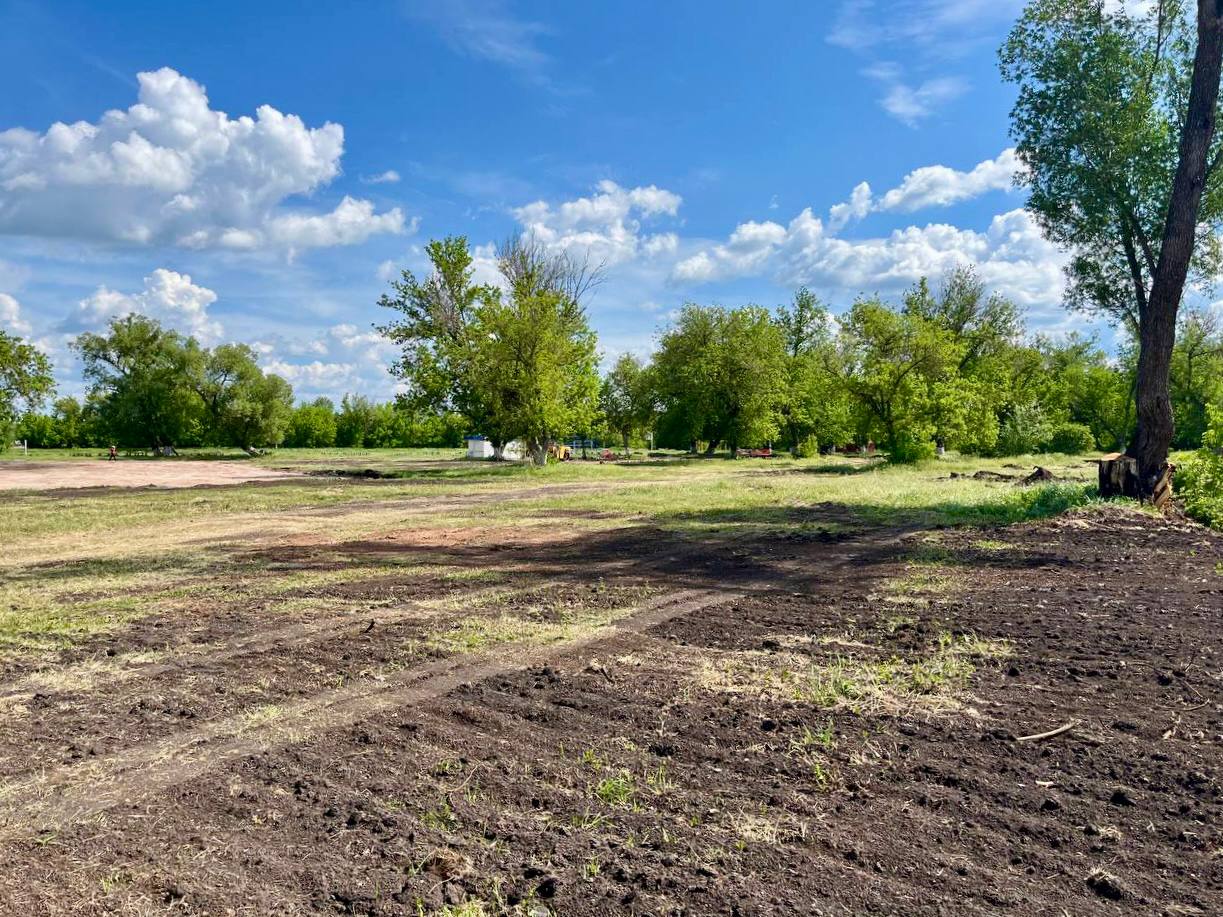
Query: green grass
{"type": "Point", "coordinates": [76, 566]}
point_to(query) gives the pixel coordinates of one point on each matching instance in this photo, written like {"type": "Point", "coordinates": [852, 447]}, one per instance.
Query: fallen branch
{"type": "Point", "coordinates": [1041, 736]}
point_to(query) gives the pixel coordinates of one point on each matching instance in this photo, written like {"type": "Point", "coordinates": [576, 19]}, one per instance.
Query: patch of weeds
{"type": "Point", "coordinates": [115, 881]}
{"type": "Point", "coordinates": [440, 818]}
{"type": "Point", "coordinates": [618, 791]}
{"type": "Point", "coordinates": [991, 545]}
{"type": "Point", "coordinates": [259, 716]}
{"type": "Point", "coordinates": [658, 781]}
{"type": "Point", "coordinates": [824, 738]}
{"type": "Point", "coordinates": [591, 869]}
{"type": "Point", "coordinates": [920, 585]}
{"type": "Point", "coordinates": [931, 681]}
{"type": "Point", "coordinates": [466, 909]}
{"type": "Point", "coordinates": [897, 622]}
{"type": "Point", "coordinates": [590, 759]}
{"type": "Point", "coordinates": [590, 821]}
{"type": "Point", "coordinates": [821, 775]}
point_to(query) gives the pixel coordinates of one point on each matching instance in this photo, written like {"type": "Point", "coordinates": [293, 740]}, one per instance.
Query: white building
{"type": "Point", "coordinates": [480, 448]}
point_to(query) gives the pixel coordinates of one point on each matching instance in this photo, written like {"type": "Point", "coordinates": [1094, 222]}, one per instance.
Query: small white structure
{"type": "Point", "coordinates": [480, 448]}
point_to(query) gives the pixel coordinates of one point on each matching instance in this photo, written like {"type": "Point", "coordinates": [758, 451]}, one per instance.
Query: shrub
{"type": "Point", "coordinates": [1072, 439]}
{"type": "Point", "coordinates": [809, 447]}
{"type": "Point", "coordinates": [1200, 480]}
{"type": "Point", "coordinates": [1024, 431]}
{"type": "Point", "coordinates": [909, 448]}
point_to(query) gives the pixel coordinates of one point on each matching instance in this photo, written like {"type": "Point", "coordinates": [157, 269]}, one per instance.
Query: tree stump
{"type": "Point", "coordinates": [1119, 476]}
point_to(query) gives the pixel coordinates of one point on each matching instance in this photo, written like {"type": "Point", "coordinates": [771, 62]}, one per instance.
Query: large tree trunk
{"type": "Point", "coordinates": [1157, 323]}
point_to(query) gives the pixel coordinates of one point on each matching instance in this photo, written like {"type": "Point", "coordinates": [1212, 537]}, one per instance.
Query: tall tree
{"type": "Point", "coordinates": [722, 376]}
{"type": "Point", "coordinates": [816, 408]}
{"type": "Point", "coordinates": [626, 398]}
{"type": "Point", "coordinates": [140, 379]}
{"type": "Point", "coordinates": [25, 381]}
{"type": "Point", "coordinates": [242, 405]}
{"type": "Point", "coordinates": [1115, 125]}
{"type": "Point", "coordinates": [439, 365]}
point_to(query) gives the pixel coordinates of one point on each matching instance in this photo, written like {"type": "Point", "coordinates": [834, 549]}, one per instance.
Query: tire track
{"type": "Point", "coordinates": [60, 797]}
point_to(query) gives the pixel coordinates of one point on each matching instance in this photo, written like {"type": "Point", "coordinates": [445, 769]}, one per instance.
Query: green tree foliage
{"type": "Point", "coordinates": [141, 378]}
{"type": "Point", "coordinates": [1097, 124]}
{"type": "Point", "coordinates": [902, 370]}
{"type": "Point", "coordinates": [1200, 481]}
{"type": "Point", "coordinates": [540, 366]}
{"type": "Point", "coordinates": [1197, 374]}
{"type": "Point", "coordinates": [816, 409]}
{"type": "Point", "coordinates": [25, 381]}
{"type": "Point", "coordinates": [721, 376]}
{"type": "Point", "coordinates": [1115, 126]}
{"type": "Point", "coordinates": [242, 406]}
{"type": "Point", "coordinates": [626, 399]}
{"type": "Point", "coordinates": [312, 425]}
{"type": "Point", "coordinates": [517, 362]}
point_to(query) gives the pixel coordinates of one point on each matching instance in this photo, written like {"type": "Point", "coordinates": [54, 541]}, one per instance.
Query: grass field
{"type": "Point", "coordinates": [383, 628]}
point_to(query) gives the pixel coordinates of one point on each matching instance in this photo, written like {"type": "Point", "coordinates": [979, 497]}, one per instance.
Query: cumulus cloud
{"type": "Point", "coordinates": [1011, 254]}
{"type": "Point", "coordinates": [608, 224]}
{"type": "Point", "coordinates": [340, 359]}
{"type": "Point", "coordinates": [929, 186]}
{"type": "Point", "coordinates": [10, 316]}
{"type": "Point", "coordinates": [168, 296]}
{"type": "Point", "coordinates": [940, 186]}
{"type": "Point", "coordinates": [172, 170]}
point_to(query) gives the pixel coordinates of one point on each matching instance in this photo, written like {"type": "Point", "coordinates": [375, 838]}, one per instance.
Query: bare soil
{"type": "Point", "coordinates": [167, 473]}
{"type": "Point", "coordinates": [672, 758]}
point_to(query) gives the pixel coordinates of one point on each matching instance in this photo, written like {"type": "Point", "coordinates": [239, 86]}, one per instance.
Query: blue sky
{"type": "Point", "coordinates": [256, 172]}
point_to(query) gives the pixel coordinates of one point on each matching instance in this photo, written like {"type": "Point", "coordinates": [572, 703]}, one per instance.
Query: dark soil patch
{"type": "Point", "coordinates": [625, 779]}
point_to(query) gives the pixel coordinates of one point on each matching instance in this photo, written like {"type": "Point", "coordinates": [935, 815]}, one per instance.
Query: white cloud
{"type": "Point", "coordinates": [1011, 254]}
{"type": "Point", "coordinates": [911, 104]}
{"type": "Point", "coordinates": [171, 170]}
{"type": "Point", "coordinates": [486, 30]}
{"type": "Point", "coordinates": [859, 205]}
{"type": "Point", "coordinates": [168, 296]}
{"type": "Point", "coordinates": [389, 177]}
{"type": "Point", "coordinates": [940, 186]}
{"type": "Point", "coordinates": [10, 316]}
{"type": "Point", "coordinates": [340, 359]}
{"type": "Point", "coordinates": [608, 224]}
{"type": "Point", "coordinates": [316, 377]}
{"type": "Point", "coordinates": [929, 36]}
{"type": "Point", "coordinates": [929, 186]}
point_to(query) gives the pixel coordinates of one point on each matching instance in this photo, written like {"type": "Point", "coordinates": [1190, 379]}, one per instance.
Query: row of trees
{"type": "Point", "coordinates": [952, 368]}
{"type": "Point", "coordinates": [148, 386]}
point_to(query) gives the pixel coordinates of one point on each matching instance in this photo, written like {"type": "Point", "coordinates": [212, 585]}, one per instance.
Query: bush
{"type": "Point", "coordinates": [1200, 480]}
{"type": "Point", "coordinates": [1072, 439]}
{"type": "Point", "coordinates": [909, 448]}
{"type": "Point", "coordinates": [1024, 432]}
{"type": "Point", "coordinates": [809, 447]}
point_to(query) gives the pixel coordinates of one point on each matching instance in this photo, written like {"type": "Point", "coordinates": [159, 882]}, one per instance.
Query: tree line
{"type": "Point", "coordinates": [946, 365]}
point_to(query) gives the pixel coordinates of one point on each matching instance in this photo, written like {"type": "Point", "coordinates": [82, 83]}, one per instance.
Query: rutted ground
{"type": "Point", "coordinates": [814, 718]}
